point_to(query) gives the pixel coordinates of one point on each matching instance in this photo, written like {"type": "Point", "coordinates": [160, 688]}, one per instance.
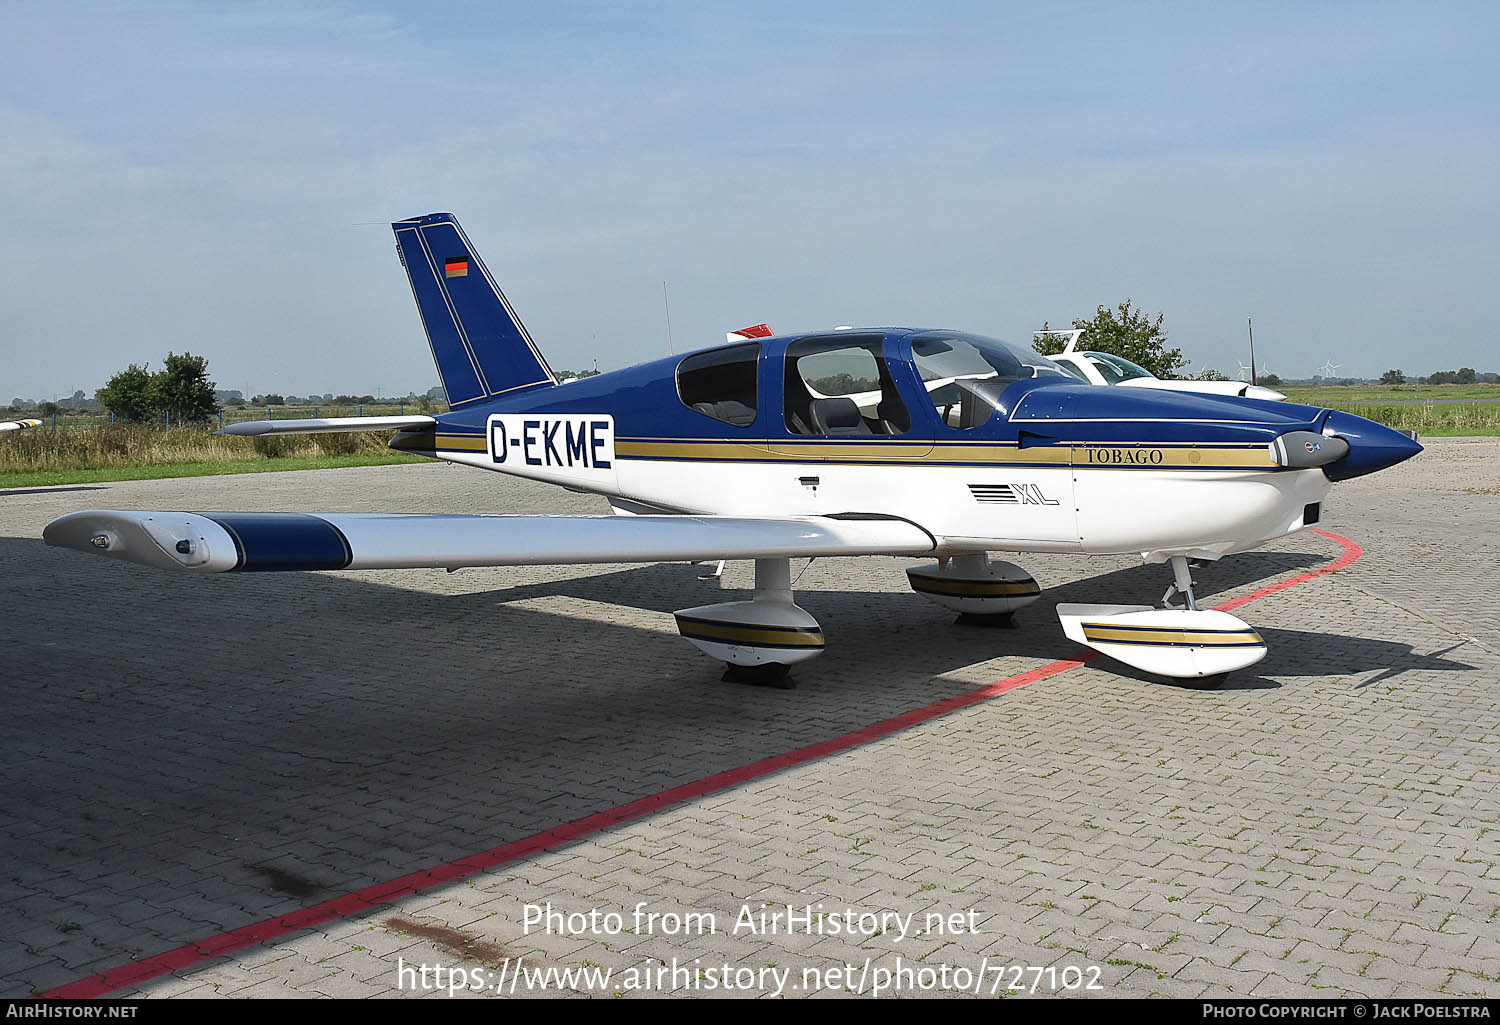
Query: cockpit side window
{"type": "Point", "coordinates": [722, 384]}
{"type": "Point", "coordinates": [841, 386]}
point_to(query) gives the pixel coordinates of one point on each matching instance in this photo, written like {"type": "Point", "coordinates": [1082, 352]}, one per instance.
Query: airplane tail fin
{"type": "Point", "coordinates": [479, 344]}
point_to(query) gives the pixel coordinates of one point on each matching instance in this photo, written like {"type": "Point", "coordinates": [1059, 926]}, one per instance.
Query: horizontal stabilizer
{"type": "Point", "coordinates": [222, 542]}
{"type": "Point", "coordinates": [330, 425]}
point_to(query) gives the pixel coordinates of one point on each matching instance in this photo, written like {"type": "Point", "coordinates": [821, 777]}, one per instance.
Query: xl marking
{"type": "Point", "coordinates": [1031, 494]}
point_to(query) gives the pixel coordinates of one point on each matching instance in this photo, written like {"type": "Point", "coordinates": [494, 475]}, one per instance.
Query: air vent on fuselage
{"type": "Point", "coordinates": [993, 494]}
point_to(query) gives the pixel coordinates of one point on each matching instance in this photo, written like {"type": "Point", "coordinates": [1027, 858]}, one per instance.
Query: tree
{"type": "Point", "coordinates": [182, 389]}
{"type": "Point", "coordinates": [1393, 377]}
{"type": "Point", "coordinates": [128, 394]}
{"type": "Point", "coordinates": [1211, 375]}
{"type": "Point", "coordinates": [1127, 332]}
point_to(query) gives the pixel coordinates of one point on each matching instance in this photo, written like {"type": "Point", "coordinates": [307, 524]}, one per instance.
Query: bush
{"type": "Point", "coordinates": [338, 444]}
{"type": "Point", "coordinates": [277, 446]}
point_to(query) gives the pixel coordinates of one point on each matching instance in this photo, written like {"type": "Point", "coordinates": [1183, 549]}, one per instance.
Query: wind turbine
{"type": "Point", "coordinates": [1244, 371]}
{"type": "Point", "coordinates": [1329, 367]}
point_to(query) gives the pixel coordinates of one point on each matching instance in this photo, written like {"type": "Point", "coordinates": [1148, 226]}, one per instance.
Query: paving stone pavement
{"type": "Point", "coordinates": [183, 756]}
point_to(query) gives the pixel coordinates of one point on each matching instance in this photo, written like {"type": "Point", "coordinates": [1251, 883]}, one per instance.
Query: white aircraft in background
{"type": "Point", "coordinates": [1104, 368]}
{"type": "Point", "coordinates": [852, 441]}
{"type": "Point", "coordinates": [18, 425]}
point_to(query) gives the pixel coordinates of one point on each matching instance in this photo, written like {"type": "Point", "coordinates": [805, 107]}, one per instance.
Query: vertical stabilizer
{"type": "Point", "coordinates": [480, 346]}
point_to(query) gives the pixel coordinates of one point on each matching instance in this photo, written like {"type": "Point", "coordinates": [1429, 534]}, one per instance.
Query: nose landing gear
{"type": "Point", "coordinates": [1179, 641]}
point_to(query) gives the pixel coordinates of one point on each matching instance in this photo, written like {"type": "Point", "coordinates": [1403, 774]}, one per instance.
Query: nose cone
{"type": "Point", "coordinates": [1372, 446]}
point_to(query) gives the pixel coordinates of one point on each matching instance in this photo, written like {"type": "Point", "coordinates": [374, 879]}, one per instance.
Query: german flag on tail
{"type": "Point", "coordinates": [456, 267]}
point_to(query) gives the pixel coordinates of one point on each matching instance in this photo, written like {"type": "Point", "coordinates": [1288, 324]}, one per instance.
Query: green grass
{"type": "Point", "coordinates": [1450, 418]}
{"type": "Point", "coordinates": [1341, 394]}
{"type": "Point", "coordinates": [158, 471]}
{"type": "Point", "coordinates": [68, 419]}
{"type": "Point", "coordinates": [89, 454]}
{"type": "Point", "coordinates": [1459, 419]}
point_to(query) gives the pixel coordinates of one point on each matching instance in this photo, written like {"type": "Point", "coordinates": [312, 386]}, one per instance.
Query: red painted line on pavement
{"type": "Point", "coordinates": [1352, 552]}
{"type": "Point", "coordinates": [136, 972]}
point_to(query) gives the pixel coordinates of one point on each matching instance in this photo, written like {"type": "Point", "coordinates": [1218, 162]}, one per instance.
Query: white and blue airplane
{"type": "Point", "coordinates": [869, 441]}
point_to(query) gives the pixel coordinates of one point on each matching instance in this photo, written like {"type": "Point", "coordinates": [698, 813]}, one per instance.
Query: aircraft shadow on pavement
{"type": "Point", "coordinates": [185, 754]}
{"type": "Point", "coordinates": [1299, 653]}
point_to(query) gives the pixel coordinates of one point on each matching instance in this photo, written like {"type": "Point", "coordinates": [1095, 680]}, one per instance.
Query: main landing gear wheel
{"type": "Point", "coordinates": [1204, 682]}
{"type": "Point", "coordinates": [981, 591]}
{"type": "Point", "coordinates": [761, 639]}
{"type": "Point", "coordinates": [1187, 643]}
{"type": "Point", "coordinates": [988, 621]}
{"type": "Point", "coordinates": [772, 674]}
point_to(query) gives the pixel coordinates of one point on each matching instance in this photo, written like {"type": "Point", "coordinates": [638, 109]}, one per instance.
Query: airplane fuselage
{"type": "Point", "coordinates": [1058, 466]}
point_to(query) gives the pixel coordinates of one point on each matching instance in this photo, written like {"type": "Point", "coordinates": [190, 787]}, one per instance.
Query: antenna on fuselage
{"type": "Point", "coordinates": [669, 317]}
{"type": "Point", "coordinates": [1251, 327]}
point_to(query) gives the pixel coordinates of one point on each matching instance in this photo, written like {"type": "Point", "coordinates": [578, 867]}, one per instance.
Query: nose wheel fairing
{"type": "Point", "coordinates": [1184, 643]}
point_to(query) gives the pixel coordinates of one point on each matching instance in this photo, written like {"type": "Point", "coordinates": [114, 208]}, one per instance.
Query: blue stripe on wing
{"type": "Point", "coordinates": [284, 541]}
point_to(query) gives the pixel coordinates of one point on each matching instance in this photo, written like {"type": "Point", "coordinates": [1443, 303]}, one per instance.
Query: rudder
{"type": "Point", "coordinates": [480, 346]}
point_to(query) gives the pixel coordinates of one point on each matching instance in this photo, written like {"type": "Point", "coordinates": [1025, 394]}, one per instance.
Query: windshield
{"type": "Point", "coordinates": [965, 374]}
{"type": "Point", "coordinates": [1116, 368]}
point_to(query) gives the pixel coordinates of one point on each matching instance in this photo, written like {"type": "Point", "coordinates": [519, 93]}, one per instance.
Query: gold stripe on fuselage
{"type": "Point", "coordinates": [1093, 455]}
{"type": "Point", "coordinates": [1101, 455]}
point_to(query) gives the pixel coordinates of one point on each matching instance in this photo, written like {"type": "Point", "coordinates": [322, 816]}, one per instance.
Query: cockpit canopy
{"type": "Point", "coordinates": [841, 384]}
{"type": "Point", "coordinates": [965, 374]}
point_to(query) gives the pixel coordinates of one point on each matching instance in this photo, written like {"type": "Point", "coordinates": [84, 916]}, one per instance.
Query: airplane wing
{"type": "Point", "coordinates": [223, 542]}
{"type": "Point", "coordinates": [18, 425]}
{"type": "Point", "coordinates": [330, 425]}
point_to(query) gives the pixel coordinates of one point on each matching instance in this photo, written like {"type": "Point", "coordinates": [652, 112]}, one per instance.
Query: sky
{"type": "Point", "coordinates": [219, 178]}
